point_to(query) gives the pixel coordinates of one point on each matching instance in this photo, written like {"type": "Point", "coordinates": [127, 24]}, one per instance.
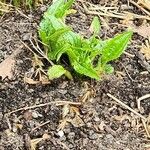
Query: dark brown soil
{"type": "Point", "coordinates": [106, 124]}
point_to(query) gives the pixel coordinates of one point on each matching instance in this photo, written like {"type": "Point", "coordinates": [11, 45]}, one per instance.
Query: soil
{"type": "Point", "coordinates": [103, 124]}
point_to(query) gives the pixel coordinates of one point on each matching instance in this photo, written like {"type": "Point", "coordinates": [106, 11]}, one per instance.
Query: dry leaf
{"type": "Point", "coordinates": [30, 81]}
{"type": "Point", "coordinates": [146, 49]}
{"type": "Point", "coordinates": [77, 121]}
{"type": "Point", "coordinates": [142, 30]}
{"type": "Point", "coordinates": [145, 3]}
{"type": "Point", "coordinates": [7, 65]}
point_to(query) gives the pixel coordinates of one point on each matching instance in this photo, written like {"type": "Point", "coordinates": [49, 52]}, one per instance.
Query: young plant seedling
{"type": "Point", "coordinates": [58, 39]}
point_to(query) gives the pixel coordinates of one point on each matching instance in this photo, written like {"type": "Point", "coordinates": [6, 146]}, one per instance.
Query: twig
{"type": "Point", "coordinates": [140, 99]}
{"type": "Point", "coordinates": [21, 13]}
{"type": "Point", "coordinates": [126, 106]}
{"type": "Point", "coordinates": [127, 73]}
{"type": "Point", "coordinates": [37, 51]}
{"type": "Point", "coordinates": [45, 104]}
{"type": "Point", "coordinates": [41, 52]}
{"type": "Point", "coordinates": [41, 125]}
{"type": "Point", "coordinates": [138, 6]}
{"type": "Point", "coordinates": [128, 54]}
{"type": "Point", "coordinates": [113, 14]}
{"type": "Point", "coordinates": [145, 126]}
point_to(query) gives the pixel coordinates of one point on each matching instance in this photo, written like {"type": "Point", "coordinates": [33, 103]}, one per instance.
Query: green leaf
{"type": "Point", "coordinates": [54, 37]}
{"type": "Point", "coordinates": [95, 26]}
{"type": "Point", "coordinates": [59, 8]}
{"type": "Point", "coordinates": [55, 71]}
{"type": "Point", "coordinates": [85, 69]}
{"type": "Point", "coordinates": [113, 48]}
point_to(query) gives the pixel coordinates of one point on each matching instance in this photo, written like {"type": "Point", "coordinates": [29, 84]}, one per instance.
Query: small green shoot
{"type": "Point", "coordinates": [95, 26]}
{"type": "Point", "coordinates": [82, 53]}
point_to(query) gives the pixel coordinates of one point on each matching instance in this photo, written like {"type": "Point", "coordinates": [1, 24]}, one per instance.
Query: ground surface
{"type": "Point", "coordinates": [102, 124]}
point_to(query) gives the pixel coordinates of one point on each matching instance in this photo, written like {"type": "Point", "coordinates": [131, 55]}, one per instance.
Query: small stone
{"type": "Point", "coordinates": [35, 114]}
{"type": "Point", "coordinates": [26, 36]}
{"type": "Point", "coordinates": [96, 119]}
{"type": "Point", "coordinates": [14, 129]}
{"type": "Point", "coordinates": [60, 133]}
{"type": "Point", "coordinates": [63, 91]}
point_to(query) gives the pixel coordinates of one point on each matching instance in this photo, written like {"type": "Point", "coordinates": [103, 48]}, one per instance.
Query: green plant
{"type": "Point", "coordinates": [58, 38]}
{"type": "Point", "coordinates": [25, 3]}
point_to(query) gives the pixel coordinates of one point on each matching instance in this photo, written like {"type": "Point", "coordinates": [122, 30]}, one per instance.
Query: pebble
{"type": "Point", "coordinates": [60, 133]}
{"type": "Point", "coordinates": [36, 114]}
{"type": "Point", "coordinates": [62, 91]}
{"type": "Point", "coordinates": [14, 129]}
{"type": "Point", "coordinates": [26, 36]}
